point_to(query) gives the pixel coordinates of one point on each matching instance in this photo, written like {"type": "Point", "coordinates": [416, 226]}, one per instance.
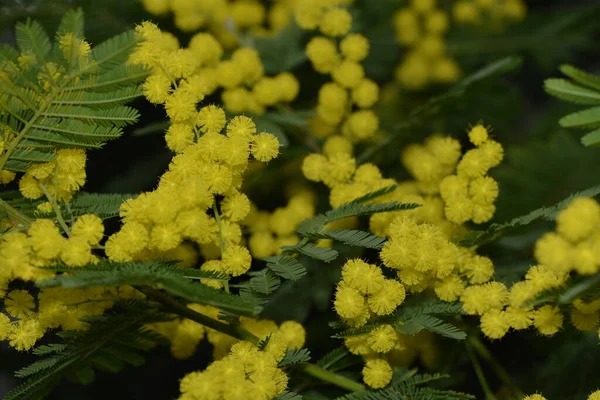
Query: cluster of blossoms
{"type": "Point", "coordinates": [185, 334]}
{"type": "Point", "coordinates": [247, 372]}
{"type": "Point", "coordinates": [494, 12]}
{"type": "Point", "coordinates": [593, 396]}
{"type": "Point", "coordinates": [420, 28]}
{"type": "Point", "coordinates": [573, 248]}
{"type": "Point", "coordinates": [228, 20]}
{"type": "Point", "coordinates": [182, 77]}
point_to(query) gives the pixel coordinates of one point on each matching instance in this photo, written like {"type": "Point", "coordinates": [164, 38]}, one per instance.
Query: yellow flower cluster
{"type": "Point", "coordinates": [346, 101]}
{"type": "Point", "coordinates": [58, 180]}
{"type": "Point", "coordinates": [182, 77]}
{"type": "Point", "coordinates": [593, 396]}
{"type": "Point", "coordinates": [420, 28]}
{"type": "Point", "coordinates": [229, 21]}
{"type": "Point", "coordinates": [495, 12]}
{"type": "Point", "coordinates": [185, 334]}
{"type": "Point", "coordinates": [245, 373]}
{"type": "Point", "coordinates": [573, 248]}
{"type": "Point", "coordinates": [270, 231]}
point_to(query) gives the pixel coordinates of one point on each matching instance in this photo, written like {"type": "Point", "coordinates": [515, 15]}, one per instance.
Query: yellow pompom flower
{"type": "Point", "coordinates": [265, 147]}
{"type": "Point", "coordinates": [314, 167]}
{"type": "Point", "coordinates": [366, 94]}
{"type": "Point", "coordinates": [25, 333]}
{"type": "Point", "coordinates": [157, 88]}
{"type": "Point", "coordinates": [288, 87]}
{"type": "Point", "coordinates": [579, 219]}
{"type": "Point", "coordinates": [241, 126]}
{"type": "Point", "coordinates": [235, 206]}
{"type": "Point", "coordinates": [594, 396]}
{"type": "Point", "coordinates": [29, 187]}
{"type": "Point", "coordinates": [180, 105]}
{"type": "Point", "coordinates": [179, 136]}
{"type": "Point", "coordinates": [323, 54]}
{"type": "Point", "coordinates": [88, 227]}
{"type": "Point", "coordinates": [363, 124]}
{"type": "Point", "coordinates": [165, 237]}
{"type": "Point", "coordinates": [211, 119]}
{"type": "Point", "coordinates": [495, 324]}
{"type": "Point", "coordinates": [478, 134]}
{"type": "Point", "coordinates": [336, 22]}
{"type": "Point", "coordinates": [465, 12]}
{"type": "Point", "coordinates": [366, 278]}
{"type": "Point", "coordinates": [236, 260]}
{"type": "Point", "coordinates": [584, 322]}
{"type": "Point", "coordinates": [76, 252]}
{"type": "Point", "coordinates": [349, 303]}
{"type": "Point", "coordinates": [19, 303]}
{"type": "Point", "coordinates": [382, 339]}
{"type": "Point", "coordinates": [554, 252]}
{"type": "Point", "coordinates": [534, 397]}
{"type": "Point", "coordinates": [377, 373]}
{"type": "Point", "coordinates": [340, 168]}
{"type": "Point", "coordinates": [293, 334]}
{"type": "Point", "coordinates": [348, 74]}
{"type": "Point", "coordinates": [547, 319]}
{"type": "Point", "coordinates": [355, 47]}
{"type": "Point", "coordinates": [45, 238]}
{"type": "Point", "coordinates": [337, 144]}
{"type": "Point", "coordinates": [391, 294]}
{"type": "Point", "coordinates": [436, 22]}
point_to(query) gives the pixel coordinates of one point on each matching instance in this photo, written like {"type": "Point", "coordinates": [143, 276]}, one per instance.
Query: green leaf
{"type": "Point", "coordinates": [351, 238]}
{"type": "Point", "coordinates": [286, 266]}
{"type": "Point", "coordinates": [103, 205]}
{"type": "Point", "coordinates": [71, 22]}
{"type": "Point", "coordinates": [591, 139]}
{"type": "Point", "coordinates": [312, 251]}
{"type": "Point", "coordinates": [288, 396]}
{"type": "Point", "coordinates": [354, 209]}
{"type": "Point", "coordinates": [329, 360]}
{"type": "Point", "coordinates": [478, 238]}
{"type": "Point", "coordinates": [159, 274]}
{"type": "Point", "coordinates": [583, 78]}
{"type": "Point", "coordinates": [567, 91]}
{"type": "Point", "coordinates": [433, 324]}
{"type": "Point", "coordinates": [264, 281]}
{"type": "Point", "coordinates": [282, 52]}
{"type": "Point", "coordinates": [585, 119]}
{"type": "Point", "coordinates": [293, 357]}
{"type": "Point", "coordinates": [32, 38]}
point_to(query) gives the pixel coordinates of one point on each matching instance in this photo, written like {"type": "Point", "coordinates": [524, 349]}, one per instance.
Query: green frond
{"type": "Point", "coordinates": [351, 238]}
{"type": "Point", "coordinates": [376, 194]}
{"type": "Point", "coordinates": [312, 251]}
{"type": "Point", "coordinates": [117, 116]}
{"type": "Point", "coordinates": [583, 78]}
{"type": "Point", "coordinates": [329, 360]}
{"type": "Point", "coordinates": [112, 52]}
{"type": "Point", "coordinates": [49, 349]}
{"type": "Point", "coordinates": [122, 76]}
{"type": "Point", "coordinates": [591, 139]}
{"type": "Point", "coordinates": [159, 274]}
{"type": "Point", "coordinates": [478, 238]}
{"type": "Point", "coordinates": [586, 119]}
{"type": "Point", "coordinates": [433, 324]}
{"type": "Point", "coordinates": [567, 91]}
{"type": "Point", "coordinates": [288, 396]}
{"type": "Point", "coordinates": [354, 209]}
{"type": "Point", "coordinates": [72, 133]}
{"type": "Point", "coordinates": [293, 357]}
{"type": "Point", "coordinates": [99, 100]}
{"type": "Point", "coordinates": [32, 156]}
{"type": "Point", "coordinates": [103, 205]}
{"type": "Point", "coordinates": [71, 22]}
{"type": "Point", "coordinates": [113, 340]}
{"type": "Point", "coordinates": [8, 53]}
{"type": "Point", "coordinates": [420, 379]}
{"type": "Point", "coordinates": [31, 37]}
{"type": "Point", "coordinates": [264, 281]}
{"type": "Point", "coordinates": [286, 266]}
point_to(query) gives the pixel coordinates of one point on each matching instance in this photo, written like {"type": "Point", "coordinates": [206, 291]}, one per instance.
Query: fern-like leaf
{"type": "Point", "coordinates": [355, 209]}
{"type": "Point", "coordinates": [433, 324]}
{"type": "Point", "coordinates": [586, 119]}
{"type": "Point", "coordinates": [351, 237]}
{"type": "Point", "coordinates": [583, 78]}
{"type": "Point", "coordinates": [264, 281]}
{"type": "Point", "coordinates": [286, 266]}
{"type": "Point", "coordinates": [293, 357]}
{"type": "Point", "coordinates": [567, 91]}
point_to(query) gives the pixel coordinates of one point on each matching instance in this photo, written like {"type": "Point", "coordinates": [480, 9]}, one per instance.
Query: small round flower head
{"type": "Point", "coordinates": [445, 70]}
{"type": "Point", "coordinates": [165, 237]}
{"type": "Point", "coordinates": [76, 252]}
{"type": "Point", "coordinates": [367, 173]}
{"type": "Point", "coordinates": [179, 136]}
{"type": "Point", "coordinates": [594, 396]}
{"type": "Point", "coordinates": [584, 322]}
{"type": "Point", "coordinates": [383, 339]}
{"type": "Point", "coordinates": [19, 303]}
{"type": "Point", "coordinates": [236, 260]}
{"type": "Point", "coordinates": [377, 373]}
{"type": "Point", "coordinates": [88, 227]}
{"type": "Point", "coordinates": [355, 47]}
{"type": "Point", "coordinates": [555, 252]}
{"type": "Point", "coordinates": [336, 22]}
{"type": "Point", "coordinates": [337, 144]}
{"type": "Point", "coordinates": [391, 294]}
{"type": "Point", "coordinates": [478, 135]}
{"type": "Point", "coordinates": [293, 334]}
{"type": "Point", "coordinates": [241, 126]}
{"type": "Point", "coordinates": [363, 124]}
{"type": "Point", "coordinates": [45, 238]}
{"type": "Point", "coordinates": [579, 219]}
{"type": "Point", "coordinates": [466, 12]}
{"type": "Point", "coordinates": [180, 105]}
{"type": "Point", "coordinates": [422, 6]}
{"type": "Point", "coordinates": [25, 333]}
{"type": "Point", "coordinates": [29, 187]}
{"type": "Point", "coordinates": [322, 53]}
{"type": "Point", "coordinates": [314, 167]}
{"type": "Point", "coordinates": [436, 22]}
{"type": "Point", "coordinates": [288, 85]}
{"type": "Point", "coordinates": [366, 94]}
{"type": "Point", "coordinates": [211, 119]}
{"type": "Point", "coordinates": [349, 303]}
{"type": "Point", "coordinates": [483, 190]}
{"type": "Point", "coordinates": [235, 206]}
{"type": "Point", "coordinates": [450, 288]}
{"type": "Point", "coordinates": [366, 278]}
{"type": "Point", "coordinates": [534, 397]}
{"type": "Point", "coordinates": [548, 320]}
{"type": "Point", "coordinates": [348, 74]}
{"type": "Point", "coordinates": [157, 88]}
{"type": "Point", "coordinates": [340, 168]}
{"type": "Point", "coordinates": [494, 324]}
{"type": "Point", "coordinates": [265, 147]}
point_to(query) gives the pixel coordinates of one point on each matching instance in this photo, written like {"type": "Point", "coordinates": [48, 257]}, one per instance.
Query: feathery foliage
{"type": "Point", "coordinates": [113, 340]}
{"type": "Point", "coordinates": [63, 94]}
{"type": "Point", "coordinates": [293, 357]}
{"type": "Point", "coordinates": [163, 275]}
{"type": "Point", "coordinates": [583, 88]}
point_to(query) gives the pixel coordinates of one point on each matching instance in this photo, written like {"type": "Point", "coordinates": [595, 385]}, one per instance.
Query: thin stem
{"type": "Point", "coordinates": [239, 332]}
{"type": "Point", "coordinates": [480, 376]}
{"type": "Point", "coordinates": [176, 307]}
{"type": "Point", "coordinates": [485, 354]}
{"type": "Point", "coordinates": [331, 377]}
{"type": "Point", "coordinates": [56, 209]}
{"type": "Point", "coordinates": [16, 214]}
